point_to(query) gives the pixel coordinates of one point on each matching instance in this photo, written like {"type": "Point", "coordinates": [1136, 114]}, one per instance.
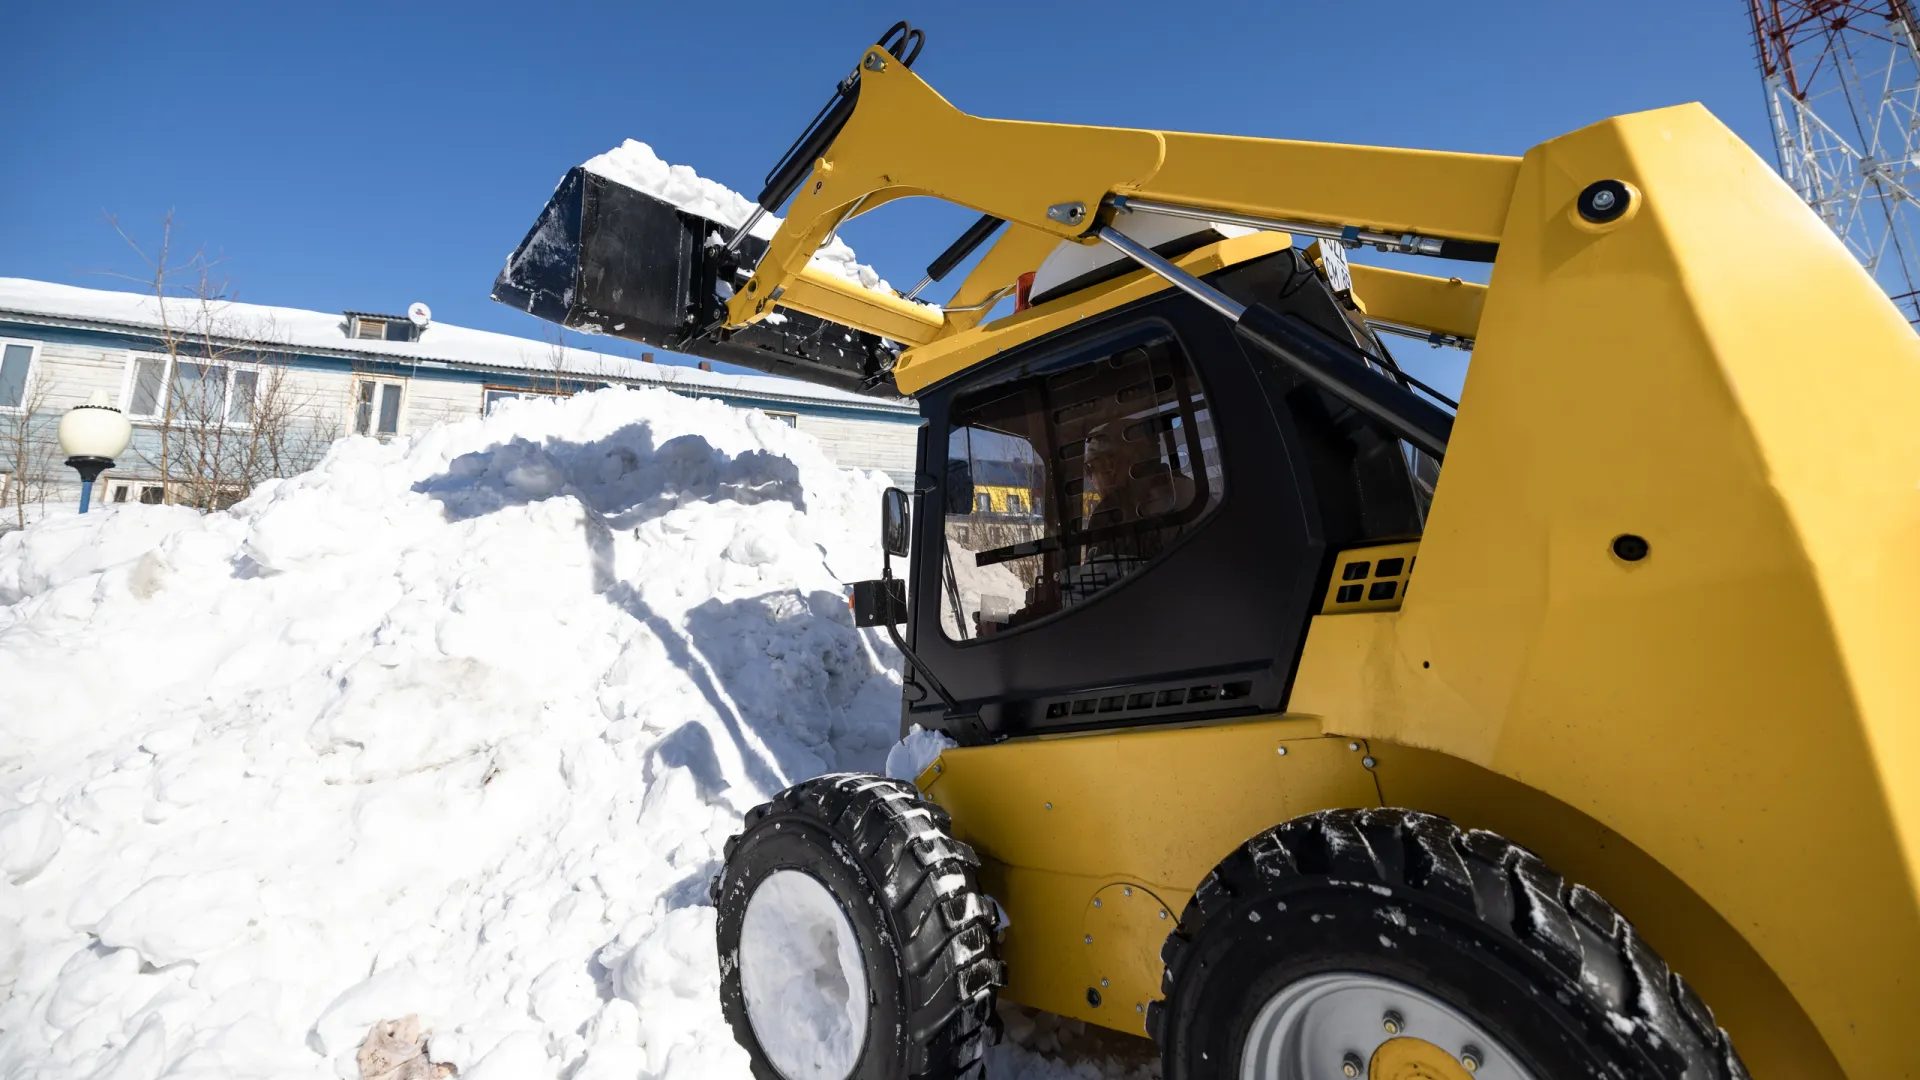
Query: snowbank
{"type": "Point", "coordinates": [453, 726]}
{"type": "Point", "coordinates": [634, 164]}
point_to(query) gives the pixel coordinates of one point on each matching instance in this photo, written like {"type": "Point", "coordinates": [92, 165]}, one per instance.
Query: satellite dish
{"type": "Point", "coordinates": [419, 314]}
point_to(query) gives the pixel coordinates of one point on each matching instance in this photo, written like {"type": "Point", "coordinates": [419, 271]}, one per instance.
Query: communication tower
{"type": "Point", "coordinates": [1842, 80]}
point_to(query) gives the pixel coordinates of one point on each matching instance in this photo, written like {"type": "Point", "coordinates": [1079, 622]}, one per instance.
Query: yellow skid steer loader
{"type": "Point", "coordinates": [1266, 733]}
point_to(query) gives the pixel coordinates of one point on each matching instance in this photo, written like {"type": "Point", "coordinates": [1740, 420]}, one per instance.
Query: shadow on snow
{"type": "Point", "coordinates": [623, 478]}
{"type": "Point", "coordinates": [778, 671]}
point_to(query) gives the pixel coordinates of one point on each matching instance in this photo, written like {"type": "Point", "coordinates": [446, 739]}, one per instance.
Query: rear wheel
{"type": "Point", "coordinates": [854, 941]}
{"type": "Point", "coordinates": [1389, 945]}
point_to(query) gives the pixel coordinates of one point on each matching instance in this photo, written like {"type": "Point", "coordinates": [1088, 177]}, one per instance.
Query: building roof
{"type": "Point", "coordinates": [318, 333]}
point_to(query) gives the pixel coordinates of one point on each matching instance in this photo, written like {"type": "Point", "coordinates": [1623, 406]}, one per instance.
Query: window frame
{"type": "Point", "coordinates": [33, 369]}
{"type": "Point", "coordinates": [373, 417]}
{"type": "Point", "coordinates": [791, 419]}
{"type": "Point", "coordinates": [487, 389]}
{"type": "Point", "coordinates": [135, 487]}
{"type": "Point", "coordinates": [1134, 332]}
{"type": "Point", "coordinates": [130, 376]}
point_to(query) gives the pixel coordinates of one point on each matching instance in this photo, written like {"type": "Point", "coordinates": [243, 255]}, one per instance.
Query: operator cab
{"type": "Point", "coordinates": [1135, 519]}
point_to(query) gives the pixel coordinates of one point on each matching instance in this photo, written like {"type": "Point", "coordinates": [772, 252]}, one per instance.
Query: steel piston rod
{"type": "Point", "coordinates": [1432, 337]}
{"type": "Point", "coordinates": [1335, 366]}
{"type": "Point", "coordinates": [1347, 235]}
{"type": "Point", "coordinates": [1178, 278]}
{"type": "Point", "coordinates": [746, 227]}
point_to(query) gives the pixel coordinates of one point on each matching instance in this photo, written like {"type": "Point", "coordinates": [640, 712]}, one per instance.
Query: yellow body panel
{"type": "Point", "coordinates": [1446, 305]}
{"type": "Point", "coordinates": [839, 300]}
{"type": "Point", "coordinates": [1062, 822]}
{"type": "Point", "coordinates": [1723, 738]}
{"type": "Point", "coordinates": [1058, 820]}
{"type": "Point", "coordinates": [1383, 188]}
{"type": "Point", "coordinates": [1369, 578]}
{"type": "Point", "coordinates": [922, 367]}
{"type": "Point", "coordinates": [1719, 376]}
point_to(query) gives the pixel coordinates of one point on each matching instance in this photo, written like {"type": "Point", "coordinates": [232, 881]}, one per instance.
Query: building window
{"type": "Point", "coordinates": [16, 361]}
{"type": "Point", "coordinates": [494, 395]}
{"type": "Point", "coordinates": [369, 326]}
{"type": "Point", "coordinates": [792, 420]}
{"type": "Point", "coordinates": [190, 391]}
{"type": "Point", "coordinates": [376, 409]}
{"type": "Point", "coordinates": [136, 491]}
{"type": "Point", "coordinates": [1115, 457]}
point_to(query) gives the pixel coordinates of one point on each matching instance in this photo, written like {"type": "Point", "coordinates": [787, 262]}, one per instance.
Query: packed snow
{"type": "Point", "coordinates": [427, 756]}
{"type": "Point", "coordinates": [634, 164]}
{"type": "Point", "coordinates": [802, 977]}
{"type": "Point", "coordinates": [916, 753]}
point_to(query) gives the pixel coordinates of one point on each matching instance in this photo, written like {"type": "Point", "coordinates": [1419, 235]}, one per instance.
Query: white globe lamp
{"type": "Point", "coordinates": [91, 436]}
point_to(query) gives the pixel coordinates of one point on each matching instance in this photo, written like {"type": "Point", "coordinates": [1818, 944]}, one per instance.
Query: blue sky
{"type": "Point", "coordinates": [368, 155]}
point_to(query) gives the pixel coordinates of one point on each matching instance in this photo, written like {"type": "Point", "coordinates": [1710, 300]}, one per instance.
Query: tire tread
{"type": "Point", "coordinates": [1568, 927]}
{"type": "Point", "coordinates": [942, 927]}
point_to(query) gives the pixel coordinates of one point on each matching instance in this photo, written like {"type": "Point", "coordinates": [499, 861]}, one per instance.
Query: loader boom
{"type": "Point", "coordinates": [1054, 182]}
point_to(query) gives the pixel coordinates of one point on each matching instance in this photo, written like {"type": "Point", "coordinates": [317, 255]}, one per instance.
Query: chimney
{"type": "Point", "coordinates": [706, 365]}
{"type": "Point", "coordinates": [646, 358]}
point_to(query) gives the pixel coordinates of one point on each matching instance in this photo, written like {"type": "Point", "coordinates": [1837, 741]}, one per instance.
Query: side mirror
{"type": "Point", "coordinates": [895, 519]}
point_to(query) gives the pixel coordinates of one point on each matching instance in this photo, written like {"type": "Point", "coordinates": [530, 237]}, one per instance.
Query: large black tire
{"type": "Point", "coordinates": [927, 935]}
{"type": "Point", "coordinates": [1557, 977]}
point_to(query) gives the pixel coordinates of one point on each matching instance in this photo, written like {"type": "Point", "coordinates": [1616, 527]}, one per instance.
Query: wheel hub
{"type": "Point", "coordinates": [1408, 1058]}
{"type": "Point", "coordinates": [1360, 1026]}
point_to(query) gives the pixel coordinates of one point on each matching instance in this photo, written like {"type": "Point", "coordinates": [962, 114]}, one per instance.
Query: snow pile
{"type": "Point", "coordinates": [916, 753]}
{"type": "Point", "coordinates": [634, 164]}
{"type": "Point", "coordinates": [452, 727]}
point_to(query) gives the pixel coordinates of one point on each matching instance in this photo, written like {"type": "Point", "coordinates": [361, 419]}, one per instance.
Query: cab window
{"type": "Point", "coordinates": [1064, 484]}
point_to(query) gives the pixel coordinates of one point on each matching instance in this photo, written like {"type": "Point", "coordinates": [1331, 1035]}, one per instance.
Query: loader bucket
{"type": "Point", "coordinates": [604, 258]}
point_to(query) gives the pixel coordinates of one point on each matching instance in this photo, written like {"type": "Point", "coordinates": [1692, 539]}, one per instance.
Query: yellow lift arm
{"type": "Point", "coordinates": [903, 139]}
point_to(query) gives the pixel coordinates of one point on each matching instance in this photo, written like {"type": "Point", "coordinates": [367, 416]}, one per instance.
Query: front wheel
{"type": "Point", "coordinates": [854, 941]}
{"type": "Point", "coordinates": [1390, 945]}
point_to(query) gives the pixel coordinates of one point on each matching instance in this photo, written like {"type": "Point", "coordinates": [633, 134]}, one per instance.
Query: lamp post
{"type": "Point", "coordinates": [91, 436]}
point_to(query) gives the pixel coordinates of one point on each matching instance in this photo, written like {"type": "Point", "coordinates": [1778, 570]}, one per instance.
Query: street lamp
{"type": "Point", "coordinates": [91, 436]}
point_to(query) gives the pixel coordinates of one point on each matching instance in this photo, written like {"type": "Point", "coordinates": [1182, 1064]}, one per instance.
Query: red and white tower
{"type": "Point", "coordinates": [1842, 79]}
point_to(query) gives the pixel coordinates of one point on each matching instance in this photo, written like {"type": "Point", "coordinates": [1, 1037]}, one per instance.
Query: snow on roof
{"type": "Point", "coordinates": [327, 333]}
